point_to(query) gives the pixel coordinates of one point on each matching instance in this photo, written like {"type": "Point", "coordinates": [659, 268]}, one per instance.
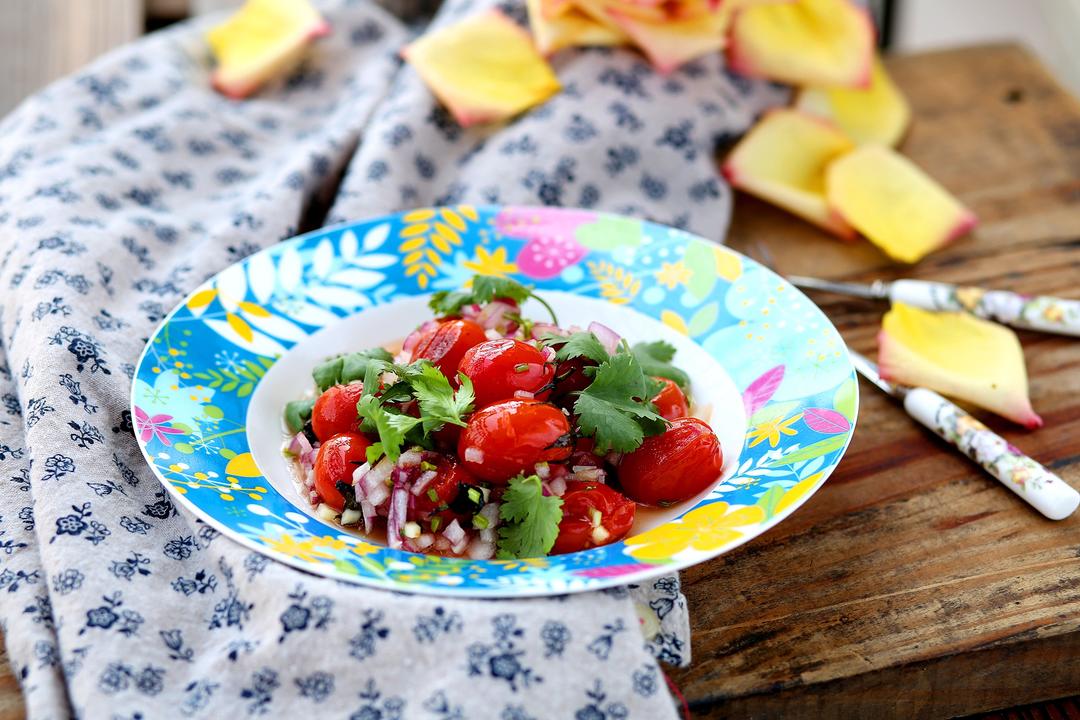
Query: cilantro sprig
{"type": "Point", "coordinates": [530, 519]}
{"type": "Point", "coordinates": [485, 288]}
{"type": "Point", "coordinates": [437, 401]}
{"type": "Point", "coordinates": [655, 359]}
{"type": "Point", "coordinates": [615, 409]}
{"type": "Point", "coordinates": [346, 368]}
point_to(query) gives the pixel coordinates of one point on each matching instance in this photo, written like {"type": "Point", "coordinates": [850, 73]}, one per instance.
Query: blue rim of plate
{"type": "Point", "coordinates": [196, 376]}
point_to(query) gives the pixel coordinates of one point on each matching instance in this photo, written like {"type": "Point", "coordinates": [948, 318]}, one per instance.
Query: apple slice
{"type": "Point", "coordinates": [959, 355]}
{"type": "Point", "coordinates": [571, 28]}
{"type": "Point", "coordinates": [897, 206]}
{"type": "Point", "coordinates": [484, 68]}
{"type": "Point", "coordinates": [261, 41]}
{"type": "Point", "coordinates": [670, 43]}
{"type": "Point", "coordinates": [823, 43]}
{"type": "Point", "coordinates": [783, 159]}
{"type": "Point", "coordinates": [879, 114]}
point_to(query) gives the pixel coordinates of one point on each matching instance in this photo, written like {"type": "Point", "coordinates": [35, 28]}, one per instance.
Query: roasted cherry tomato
{"type": "Point", "coordinates": [335, 411]}
{"type": "Point", "coordinates": [670, 402]}
{"type": "Point", "coordinates": [445, 344]}
{"type": "Point", "coordinates": [675, 465]}
{"type": "Point", "coordinates": [499, 368]}
{"type": "Point", "coordinates": [443, 489]}
{"type": "Point", "coordinates": [510, 437]}
{"type": "Point", "coordinates": [593, 514]}
{"type": "Point", "coordinates": [338, 457]}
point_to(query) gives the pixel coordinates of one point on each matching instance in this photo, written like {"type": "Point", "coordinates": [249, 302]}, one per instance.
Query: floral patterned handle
{"type": "Point", "coordinates": [1042, 489]}
{"type": "Point", "coordinates": [1043, 313]}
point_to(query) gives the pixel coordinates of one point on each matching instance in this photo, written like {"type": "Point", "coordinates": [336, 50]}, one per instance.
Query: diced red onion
{"type": "Point", "coordinates": [313, 497]}
{"type": "Point", "coordinates": [378, 495]}
{"type": "Point", "coordinates": [493, 334]}
{"type": "Point", "coordinates": [458, 548]}
{"type": "Point", "coordinates": [543, 470]}
{"type": "Point", "coordinates": [425, 541]}
{"type": "Point", "coordinates": [299, 444]}
{"type": "Point", "coordinates": [359, 473]}
{"type": "Point", "coordinates": [478, 549]}
{"type": "Point", "coordinates": [414, 337]}
{"type": "Point", "coordinates": [549, 353]}
{"type": "Point", "coordinates": [589, 474]}
{"type": "Point", "coordinates": [395, 519]}
{"type": "Point", "coordinates": [442, 544]}
{"type": "Point", "coordinates": [409, 458]}
{"type": "Point", "coordinates": [454, 532]}
{"type": "Point", "coordinates": [541, 329]}
{"type": "Point", "coordinates": [368, 512]}
{"type": "Point", "coordinates": [607, 337]}
{"type": "Point", "coordinates": [376, 478]}
{"type": "Point", "coordinates": [524, 395]}
{"type": "Point", "coordinates": [474, 454]}
{"type": "Point", "coordinates": [422, 482]}
{"type": "Point", "coordinates": [492, 314]}
{"type": "Point", "coordinates": [558, 486]}
{"type": "Point", "coordinates": [490, 512]}
{"type": "Point", "coordinates": [488, 535]}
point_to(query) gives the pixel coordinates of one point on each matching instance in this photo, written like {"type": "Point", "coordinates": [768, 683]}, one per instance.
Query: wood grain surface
{"type": "Point", "coordinates": [913, 585]}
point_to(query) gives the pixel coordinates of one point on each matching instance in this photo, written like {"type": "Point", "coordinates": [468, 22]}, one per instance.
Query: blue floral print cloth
{"type": "Point", "coordinates": [124, 187]}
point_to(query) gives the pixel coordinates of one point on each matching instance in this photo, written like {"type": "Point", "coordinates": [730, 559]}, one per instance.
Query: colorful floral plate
{"type": "Point", "coordinates": [213, 379]}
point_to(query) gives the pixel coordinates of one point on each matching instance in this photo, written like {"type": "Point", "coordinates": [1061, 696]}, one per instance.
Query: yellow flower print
{"type": "Point", "coordinates": [306, 550]}
{"type": "Point", "coordinates": [494, 263]}
{"type": "Point", "coordinates": [672, 274]}
{"type": "Point", "coordinates": [704, 528]}
{"type": "Point", "coordinates": [772, 429]}
{"type": "Point", "coordinates": [364, 548]}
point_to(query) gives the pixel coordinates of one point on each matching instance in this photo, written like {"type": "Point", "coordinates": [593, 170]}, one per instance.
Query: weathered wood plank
{"type": "Point", "coordinates": [912, 584]}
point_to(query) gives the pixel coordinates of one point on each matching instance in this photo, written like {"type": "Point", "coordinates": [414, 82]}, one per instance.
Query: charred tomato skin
{"type": "Point", "coordinates": [594, 514]}
{"type": "Point", "coordinates": [510, 437]}
{"type": "Point", "coordinates": [675, 465]}
{"type": "Point", "coordinates": [500, 368]}
{"type": "Point", "coordinates": [335, 462]}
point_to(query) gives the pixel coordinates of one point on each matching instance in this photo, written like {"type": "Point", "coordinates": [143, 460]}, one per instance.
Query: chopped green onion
{"type": "Point", "coordinates": [480, 522]}
{"type": "Point", "coordinates": [521, 367]}
{"type": "Point", "coordinates": [427, 467]}
{"type": "Point", "coordinates": [436, 522]}
{"type": "Point", "coordinates": [432, 495]}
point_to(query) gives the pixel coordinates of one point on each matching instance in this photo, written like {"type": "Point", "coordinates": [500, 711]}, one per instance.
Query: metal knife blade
{"type": "Point", "coordinates": [877, 290]}
{"type": "Point", "coordinates": [869, 370]}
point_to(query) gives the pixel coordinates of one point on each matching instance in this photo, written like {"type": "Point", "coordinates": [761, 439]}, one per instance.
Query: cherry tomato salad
{"type": "Point", "coordinates": [490, 434]}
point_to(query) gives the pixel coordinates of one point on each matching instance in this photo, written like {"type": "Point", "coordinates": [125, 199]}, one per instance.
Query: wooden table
{"type": "Point", "coordinates": [912, 584]}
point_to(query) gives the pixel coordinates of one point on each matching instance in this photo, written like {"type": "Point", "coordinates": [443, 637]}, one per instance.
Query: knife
{"type": "Point", "coordinates": [1042, 313]}
{"type": "Point", "coordinates": [1039, 487]}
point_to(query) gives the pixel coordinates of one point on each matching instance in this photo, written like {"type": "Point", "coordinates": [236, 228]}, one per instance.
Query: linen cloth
{"type": "Point", "coordinates": [127, 185]}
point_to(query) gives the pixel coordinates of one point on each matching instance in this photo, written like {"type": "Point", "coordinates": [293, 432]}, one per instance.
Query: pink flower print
{"type": "Point", "coordinates": [551, 246]}
{"type": "Point", "coordinates": [150, 427]}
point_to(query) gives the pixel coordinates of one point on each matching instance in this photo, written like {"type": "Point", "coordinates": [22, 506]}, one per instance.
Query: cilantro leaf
{"type": "Point", "coordinates": [297, 413]}
{"type": "Point", "coordinates": [346, 368]}
{"type": "Point", "coordinates": [531, 519]}
{"type": "Point", "coordinates": [390, 426]}
{"type": "Point", "coordinates": [655, 359]}
{"type": "Point", "coordinates": [615, 407]}
{"type": "Point", "coordinates": [439, 402]}
{"type": "Point", "coordinates": [485, 288]}
{"type": "Point", "coordinates": [579, 344]}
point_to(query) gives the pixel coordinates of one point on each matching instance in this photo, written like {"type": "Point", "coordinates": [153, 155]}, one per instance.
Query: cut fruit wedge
{"type": "Point", "coordinates": [894, 204]}
{"type": "Point", "coordinates": [823, 43]}
{"type": "Point", "coordinates": [263, 40]}
{"type": "Point", "coordinates": [783, 160]}
{"type": "Point", "coordinates": [879, 114]}
{"type": "Point", "coordinates": [959, 355]}
{"type": "Point", "coordinates": [484, 68]}
{"type": "Point", "coordinates": [571, 28]}
{"type": "Point", "coordinates": [671, 43]}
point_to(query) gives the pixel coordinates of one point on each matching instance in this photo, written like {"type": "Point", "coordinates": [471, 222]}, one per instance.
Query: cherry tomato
{"type": "Point", "coordinates": [593, 515]}
{"type": "Point", "coordinates": [510, 437]}
{"type": "Point", "coordinates": [338, 457]}
{"type": "Point", "coordinates": [585, 454]}
{"type": "Point", "coordinates": [335, 411]}
{"type": "Point", "coordinates": [444, 488]}
{"type": "Point", "coordinates": [445, 343]}
{"type": "Point", "coordinates": [677, 464]}
{"type": "Point", "coordinates": [499, 368]}
{"type": "Point", "coordinates": [670, 402]}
